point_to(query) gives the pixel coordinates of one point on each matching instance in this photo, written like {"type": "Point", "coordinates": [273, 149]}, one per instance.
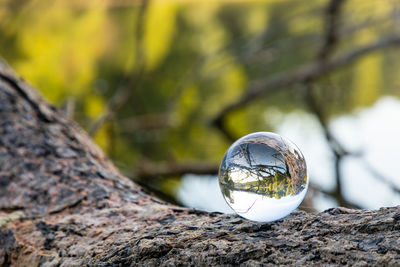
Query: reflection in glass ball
{"type": "Point", "coordinates": [263, 177]}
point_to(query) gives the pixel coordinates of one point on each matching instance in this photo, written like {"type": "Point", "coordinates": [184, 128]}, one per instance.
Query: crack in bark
{"type": "Point", "coordinates": [35, 106]}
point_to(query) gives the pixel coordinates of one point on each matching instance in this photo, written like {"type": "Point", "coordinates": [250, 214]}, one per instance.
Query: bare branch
{"type": "Point", "coordinates": [304, 73]}
{"type": "Point", "coordinates": [332, 28]}
{"type": "Point", "coordinates": [153, 170]}
{"type": "Point", "coordinates": [330, 41]}
{"type": "Point", "coordinates": [377, 175]}
{"type": "Point", "coordinates": [341, 201]}
{"type": "Point", "coordinates": [310, 99]}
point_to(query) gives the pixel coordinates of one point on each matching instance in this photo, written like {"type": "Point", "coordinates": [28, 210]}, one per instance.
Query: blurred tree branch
{"type": "Point", "coordinates": [149, 169]}
{"type": "Point", "coordinates": [331, 40]}
{"type": "Point", "coordinates": [312, 70]}
{"type": "Point", "coordinates": [377, 175]}
{"type": "Point", "coordinates": [332, 21]}
{"type": "Point", "coordinates": [337, 149]}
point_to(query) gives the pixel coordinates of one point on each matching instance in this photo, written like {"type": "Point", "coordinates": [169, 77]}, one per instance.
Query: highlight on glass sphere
{"type": "Point", "coordinates": [263, 177]}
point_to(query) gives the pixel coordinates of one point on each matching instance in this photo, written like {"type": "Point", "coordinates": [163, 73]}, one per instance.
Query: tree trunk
{"type": "Point", "coordinates": [63, 203]}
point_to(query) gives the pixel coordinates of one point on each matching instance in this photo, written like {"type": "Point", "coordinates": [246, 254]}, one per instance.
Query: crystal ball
{"type": "Point", "coordinates": [263, 177]}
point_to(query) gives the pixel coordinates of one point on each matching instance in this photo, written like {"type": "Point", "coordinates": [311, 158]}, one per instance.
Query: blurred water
{"type": "Point", "coordinates": [374, 131]}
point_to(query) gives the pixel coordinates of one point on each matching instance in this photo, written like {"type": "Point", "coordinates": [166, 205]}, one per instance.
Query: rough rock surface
{"type": "Point", "coordinates": [63, 203]}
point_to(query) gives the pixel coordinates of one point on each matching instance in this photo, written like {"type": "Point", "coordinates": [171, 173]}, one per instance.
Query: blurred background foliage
{"type": "Point", "coordinates": [160, 72]}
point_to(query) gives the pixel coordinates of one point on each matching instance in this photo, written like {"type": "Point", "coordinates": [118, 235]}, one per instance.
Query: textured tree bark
{"type": "Point", "coordinates": [63, 203]}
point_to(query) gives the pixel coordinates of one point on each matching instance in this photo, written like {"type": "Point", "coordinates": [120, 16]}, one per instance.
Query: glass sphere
{"type": "Point", "coordinates": [263, 177]}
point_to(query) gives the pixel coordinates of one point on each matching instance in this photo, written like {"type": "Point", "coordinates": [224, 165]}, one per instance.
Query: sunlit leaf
{"type": "Point", "coordinates": [159, 31]}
